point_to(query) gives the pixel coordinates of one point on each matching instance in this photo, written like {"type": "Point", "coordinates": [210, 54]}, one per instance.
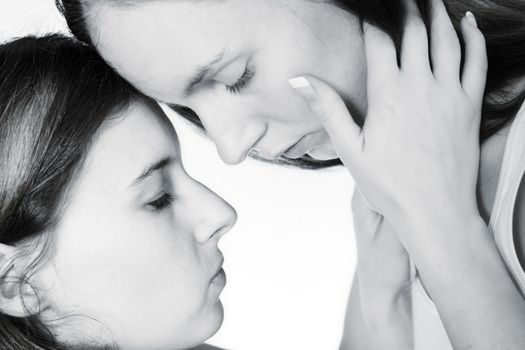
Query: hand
{"type": "Point", "coordinates": [418, 151]}
{"type": "Point", "coordinates": [384, 279]}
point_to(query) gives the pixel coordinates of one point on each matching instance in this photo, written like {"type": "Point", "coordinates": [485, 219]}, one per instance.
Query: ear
{"type": "Point", "coordinates": [17, 297]}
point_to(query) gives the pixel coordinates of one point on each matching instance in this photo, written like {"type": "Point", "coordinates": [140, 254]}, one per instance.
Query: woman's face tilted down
{"type": "Point", "coordinates": [251, 48]}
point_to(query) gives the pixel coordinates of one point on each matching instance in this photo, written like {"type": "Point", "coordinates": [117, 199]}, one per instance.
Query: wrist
{"type": "Point", "coordinates": [384, 287]}
{"type": "Point", "coordinates": [431, 231]}
{"type": "Point", "coordinates": [448, 254]}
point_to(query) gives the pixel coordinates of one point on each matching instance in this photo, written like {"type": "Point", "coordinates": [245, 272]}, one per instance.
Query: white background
{"type": "Point", "coordinates": [290, 258]}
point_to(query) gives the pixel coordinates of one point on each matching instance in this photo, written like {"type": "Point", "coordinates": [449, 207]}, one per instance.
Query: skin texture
{"type": "Point", "coordinates": [278, 39]}
{"type": "Point", "coordinates": [264, 113]}
{"type": "Point", "coordinates": [446, 236]}
{"type": "Point", "coordinates": [379, 310]}
{"type": "Point", "coordinates": [136, 275]}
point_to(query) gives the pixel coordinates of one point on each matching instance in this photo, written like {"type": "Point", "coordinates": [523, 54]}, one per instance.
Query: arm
{"type": "Point", "coordinates": [416, 161]}
{"type": "Point", "coordinates": [379, 313]}
{"type": "Point", "coordinates": [392, 329]}
{"type": "Point", "coordinates": [356, 334]}
{"type": "Point", "coordinates": [458, 261]}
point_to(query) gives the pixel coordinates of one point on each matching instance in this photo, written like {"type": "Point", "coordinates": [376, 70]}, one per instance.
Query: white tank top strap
{"type": "Point", "coordinates": [511, 174]}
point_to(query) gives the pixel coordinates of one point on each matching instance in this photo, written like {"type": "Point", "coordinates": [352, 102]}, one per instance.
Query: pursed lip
{"type": "Point", "coordinates": [218, 269]}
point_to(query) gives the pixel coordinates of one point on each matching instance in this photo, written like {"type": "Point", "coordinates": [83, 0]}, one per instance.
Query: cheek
{"type": "Point", "coordinates": [273, 92]}
{"type": "Point", "coordinates": [123, 270]}
{"type": "Point", "coordinates": [284, 106]}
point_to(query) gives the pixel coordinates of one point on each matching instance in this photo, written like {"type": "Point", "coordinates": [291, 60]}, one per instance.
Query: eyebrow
{"type": "Point", "coordinates": [201, 72]}
{"type": "Point", "coordinates": [161, 164]}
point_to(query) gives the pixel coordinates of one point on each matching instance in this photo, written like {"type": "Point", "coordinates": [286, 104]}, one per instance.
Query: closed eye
{"type": "Point", "coordinates": [243, 80]}
{"type": "Point", "coordinates": [163, 202]}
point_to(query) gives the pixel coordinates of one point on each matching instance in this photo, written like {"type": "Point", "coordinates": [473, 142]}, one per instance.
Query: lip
{"type": "Point", "coordinates": [300, 148]}
{"type": "Point", "coordinates": [219, 270]}
{"type": "Point", "coordinates": [296, 150]}
{"type": "Point", "coordinates": [219, 279]}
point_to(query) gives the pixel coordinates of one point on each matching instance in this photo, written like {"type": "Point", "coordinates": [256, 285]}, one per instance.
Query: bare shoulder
{"type": "Point", "coordinates": [206, 347]}
{"type": "Point", "coordinates": [519, 224]}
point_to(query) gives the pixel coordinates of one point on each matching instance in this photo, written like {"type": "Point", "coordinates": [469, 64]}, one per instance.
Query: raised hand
{"type": "Point", "coordinates": [416, 162]}
{"type": "Point", "coordinates": [418, 151]}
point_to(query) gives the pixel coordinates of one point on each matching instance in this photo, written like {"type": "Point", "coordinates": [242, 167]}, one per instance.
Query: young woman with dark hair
{"type": "Point", "coordinates": [101, 242]}
{"type": "Point", "coordinates": [404, 114]}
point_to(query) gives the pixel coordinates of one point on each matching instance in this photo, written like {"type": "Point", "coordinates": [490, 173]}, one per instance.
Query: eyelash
{"type": "Point", "coordinates": [163, 202]}
{"type": "Point", "coordinates": [243, 81]}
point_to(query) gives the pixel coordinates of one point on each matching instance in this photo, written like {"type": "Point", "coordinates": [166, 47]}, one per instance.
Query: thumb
{"type": "Point", "coordinates": [329, 108]}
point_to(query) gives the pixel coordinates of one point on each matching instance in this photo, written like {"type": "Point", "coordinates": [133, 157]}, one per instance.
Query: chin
{"type": "Point", "coordinates": [220, 316]}
{"type": "Point", "coordinates": [209, 325]}
{"type": "Point", "coordinates": [215, 320]}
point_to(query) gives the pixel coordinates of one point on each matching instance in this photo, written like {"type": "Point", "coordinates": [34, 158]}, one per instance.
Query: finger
{"type": "Point", "coordinates": [381, 57]}
{"type": "Point", "coordinates": [414, 49]}
{"type": "Point", "coordinates": [444, 44]}
{"type": "Point", "coordinates": [475, 66]}
{"type": "Point", "coordinates": [329, 108]}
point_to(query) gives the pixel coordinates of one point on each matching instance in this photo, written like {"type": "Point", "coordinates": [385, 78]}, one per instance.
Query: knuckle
{"type": "Point", "coordinates": [414, 25]}
{"type": "Point", "coordinates": [448, 42]}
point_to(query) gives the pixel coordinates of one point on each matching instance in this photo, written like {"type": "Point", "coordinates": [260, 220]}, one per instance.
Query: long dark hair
{"type": "Point", "coordinates": [501, 21]}
{"type": "Point", "coordinates": [503, 25]}
{"type": "Point", "coordinates": [55, 93]}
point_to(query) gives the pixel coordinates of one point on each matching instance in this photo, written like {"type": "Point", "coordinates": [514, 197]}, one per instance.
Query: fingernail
{"type": "Point", "coordinates": [303, 87]}
{"type": "Point", "coordinates": [471, 19]}
{"type": "Point", "coordinates": [299, 82]}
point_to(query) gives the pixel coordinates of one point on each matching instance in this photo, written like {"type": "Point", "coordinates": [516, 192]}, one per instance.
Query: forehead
{"type": "Point", "coordinates": [126, 145]}
{"type": "Point", "coordinates": [158, 45]}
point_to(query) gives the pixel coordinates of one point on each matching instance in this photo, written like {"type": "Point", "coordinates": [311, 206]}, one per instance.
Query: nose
{"type": "Point", "coordinates": [233, 136]}
{"type": "Point", "coordinates": [230, 147]}
{"type": "Point", "coordinates": [209, 216]}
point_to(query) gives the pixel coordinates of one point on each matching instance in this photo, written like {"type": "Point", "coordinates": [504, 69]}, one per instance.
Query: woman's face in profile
{"type": "Point", "coordinates": [230, 62]}
{"type": "Point", "coordinates": [136, 248]}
